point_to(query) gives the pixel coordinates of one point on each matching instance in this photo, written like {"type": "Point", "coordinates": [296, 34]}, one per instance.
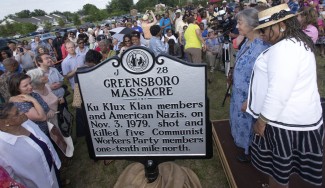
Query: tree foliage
{"type": "Point", "coordinates": [11, 29]}
{"type": "Point", "coordinates": [38, 12]}
{"type": "Point", "coordinates": [96, 16]}
{"type": "Point", "coordinates": [119, 5]}
{"type": "Point", "coordinates": [68, 15]}
{"type": "Point", "coordinates": [61, 22]}
{"type": "Point", "coordinates": [28, 14]}
{"type": "Point", "coordinates": [76, 20]}
{"type": "Point", "coordinates": [48, 26]}
{"type": "Point", "coordinates": [92, 13]}
{"type": "Point", "coordinates": [56, 12]}
{"type": "Point", "coordinates": [143, 5]}
{"type": "Point", "coordinates": [23, 14]}
{"type": "Point", "coordinates": [89, 9]}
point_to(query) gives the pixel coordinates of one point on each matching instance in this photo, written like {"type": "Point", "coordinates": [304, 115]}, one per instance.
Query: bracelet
{"type": "Point", "coordinates": [263, 118]}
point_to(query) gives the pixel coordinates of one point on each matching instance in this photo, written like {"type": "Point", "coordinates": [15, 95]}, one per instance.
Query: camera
{"type": "Point", "coordinates": [21, 50]}
{"type": "Point", "coordinates": [223, 22]}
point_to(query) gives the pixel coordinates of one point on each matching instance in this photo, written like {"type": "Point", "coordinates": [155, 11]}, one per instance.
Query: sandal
{"type": "Point", "coordinates": [107, 162]}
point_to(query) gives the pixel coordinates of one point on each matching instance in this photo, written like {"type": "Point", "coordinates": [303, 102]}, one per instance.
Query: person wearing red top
{"type": "Point", "coordinates": [63, 48]}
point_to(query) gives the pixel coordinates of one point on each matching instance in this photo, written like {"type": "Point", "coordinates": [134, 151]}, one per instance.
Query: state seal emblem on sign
{"type": "Point", "coordinates": [137, 61]}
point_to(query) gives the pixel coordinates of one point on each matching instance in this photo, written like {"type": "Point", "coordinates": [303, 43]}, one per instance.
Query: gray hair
{"type": "Point", "coordinates": [106, 42]}
{"type": "Point", "coordinates": [35, 77]}
{"type": "Point", "coordinates": [250, 15]}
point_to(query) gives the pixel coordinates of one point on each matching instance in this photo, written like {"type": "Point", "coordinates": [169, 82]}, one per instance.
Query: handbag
{"type": "Point", "coordinates": [65, 120]}
{"type": "Point", "coordinates": [64, 143]}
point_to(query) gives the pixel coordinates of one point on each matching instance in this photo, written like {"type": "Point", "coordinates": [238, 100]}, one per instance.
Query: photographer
{"type": "Point", "coordinates": [227, 24]}
{"type": "Point", "coordinates": [25, 57]}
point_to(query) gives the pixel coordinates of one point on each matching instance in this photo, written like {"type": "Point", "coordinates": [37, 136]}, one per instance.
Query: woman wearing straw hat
{"type": "Point", "coordinates": [284, 98]}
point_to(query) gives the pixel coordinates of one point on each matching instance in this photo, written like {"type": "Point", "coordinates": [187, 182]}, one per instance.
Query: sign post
{"type": "Point", "coordinates": [146, 107]}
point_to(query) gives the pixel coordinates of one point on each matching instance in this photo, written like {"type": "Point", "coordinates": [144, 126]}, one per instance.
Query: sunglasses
{"type": "Point", "coordinates": [262, 30]}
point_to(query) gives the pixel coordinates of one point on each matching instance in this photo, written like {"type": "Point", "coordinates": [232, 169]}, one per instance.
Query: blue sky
{"type": "Point", "coordinates": [13, 6]}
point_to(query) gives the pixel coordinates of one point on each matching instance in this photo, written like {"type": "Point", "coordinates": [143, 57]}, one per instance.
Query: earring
{"type": "Point", "coordinates": [281, 29]}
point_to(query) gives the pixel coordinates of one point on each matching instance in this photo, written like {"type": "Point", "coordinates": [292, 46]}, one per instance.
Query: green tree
{"type": "Point", "coordinates": [27, 28]}
{"type": "Point", "coordinates": [56, 12]}
{"type": "Point", "coordinates": [23, 14]}
{"type": "Point", "coordinates": [11, 29]}
{"type": "Point", "coordinates": [69, 15]}
{"type": "Point", "coordinates": [116, 5]}
{"type": "Point", "coordinates": [48, 25]}
{"type": "Point", "coordinates": [93, 14]}
{"type": "Point", "coordinates": [143, 5]}
{"type": "Point", "coordinates": [61, 22]}
{"type": "Point", "coordinates": [75, 19]}
{"type": "Point", "coordinates": [10, 16]}
{"type": "Point", "coordinates": [89, 9]}
{"type": "Point", "coordinates": [38, 12]}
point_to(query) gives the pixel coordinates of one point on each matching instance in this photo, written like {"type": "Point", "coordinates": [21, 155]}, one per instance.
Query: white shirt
{"type": "Point", "coordinates": [71, 63]}
{"type": "Point", "coordinates": [83, 52]}
{"type": "Point", "coordinates": [283, 87]}
{"type": "Point", "coordinates": [171, 37]}
{"type": "Point", "coordinates": [177, 23]}
{"type": "Point", "coordinates": [25, 161]}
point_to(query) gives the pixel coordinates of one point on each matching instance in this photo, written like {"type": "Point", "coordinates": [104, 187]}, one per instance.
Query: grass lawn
{"type": "Point", "coordinates": [84, 172]}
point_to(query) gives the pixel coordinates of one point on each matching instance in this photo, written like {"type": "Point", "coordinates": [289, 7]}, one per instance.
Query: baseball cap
{"type": "Point", "coordinates": [178, 11]}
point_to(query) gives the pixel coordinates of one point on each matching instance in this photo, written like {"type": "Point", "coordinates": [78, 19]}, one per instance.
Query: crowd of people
{"type": "Point", "coordinates": [275, 110]}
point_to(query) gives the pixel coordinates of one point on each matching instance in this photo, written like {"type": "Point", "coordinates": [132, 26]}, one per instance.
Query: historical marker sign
{"type": "Point", "coordinates": [142, 106]}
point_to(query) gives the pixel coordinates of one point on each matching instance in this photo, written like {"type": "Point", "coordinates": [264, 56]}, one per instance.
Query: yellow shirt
{"type": "Point", "coordinates": [192, 41]}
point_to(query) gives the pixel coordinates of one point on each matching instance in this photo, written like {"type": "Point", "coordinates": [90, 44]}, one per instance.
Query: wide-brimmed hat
{"type": "Point", "coordinates": [274, 15]}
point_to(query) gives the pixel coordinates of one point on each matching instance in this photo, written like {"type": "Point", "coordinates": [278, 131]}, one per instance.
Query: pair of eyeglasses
{"type": "Point", "coordinates": [127, 41]}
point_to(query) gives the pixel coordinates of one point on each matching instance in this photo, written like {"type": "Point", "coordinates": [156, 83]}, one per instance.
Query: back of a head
{"type": "Point", "coordinates": [93, 56]}
{"type": "Point", "coordinates": [190, 19]}
{"type": "Point", "coordinates": [154, 30]}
